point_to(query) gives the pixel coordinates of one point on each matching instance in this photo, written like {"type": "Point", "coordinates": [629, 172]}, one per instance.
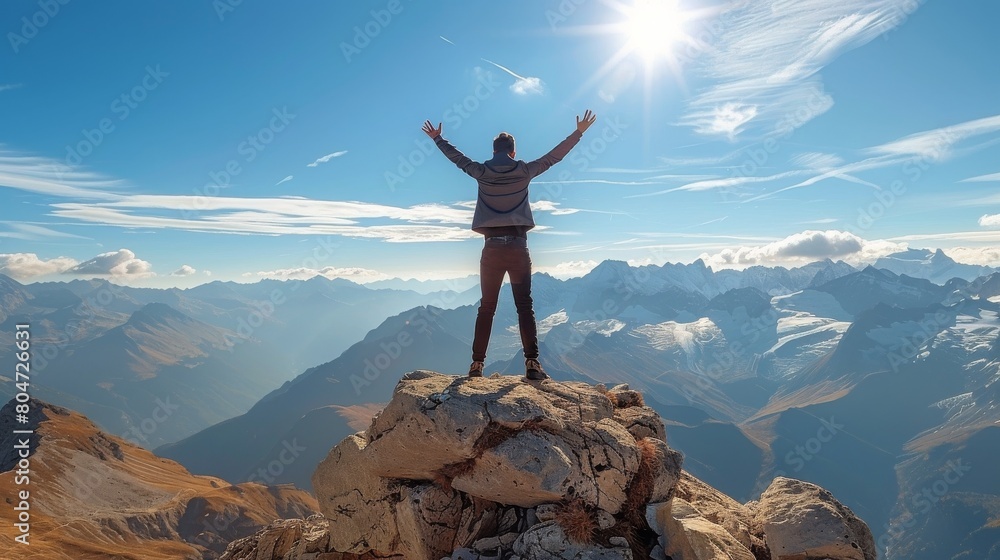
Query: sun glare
{"type": "Point", "coordinates": [654, 27]}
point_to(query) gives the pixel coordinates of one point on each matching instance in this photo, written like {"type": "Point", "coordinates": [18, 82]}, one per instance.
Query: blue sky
{"type": "Point", "coordinates": [174, 143]}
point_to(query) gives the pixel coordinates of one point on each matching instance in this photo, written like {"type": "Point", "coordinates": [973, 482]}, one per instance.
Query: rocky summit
{"type": "Point", "coordinates": [500, 468]}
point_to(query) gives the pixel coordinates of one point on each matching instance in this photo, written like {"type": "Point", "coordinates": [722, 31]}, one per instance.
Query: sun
{"type": "Point", "coordinates": [654, 28]}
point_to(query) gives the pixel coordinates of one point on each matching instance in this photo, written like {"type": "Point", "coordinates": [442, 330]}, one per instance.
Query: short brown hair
{"type": "Point", "coordinates": [503, 143]}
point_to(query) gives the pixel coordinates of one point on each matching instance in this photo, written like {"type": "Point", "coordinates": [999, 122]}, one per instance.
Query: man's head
{"type": "Point", "coordinates": [504, 144]}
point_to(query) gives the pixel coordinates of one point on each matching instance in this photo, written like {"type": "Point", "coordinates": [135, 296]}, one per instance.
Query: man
{"type": "Point", "coordinates": [503, 216]}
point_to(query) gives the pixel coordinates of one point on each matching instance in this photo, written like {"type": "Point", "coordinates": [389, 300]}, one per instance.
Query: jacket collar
{"type": "Point", "coordinates": [501, 160]}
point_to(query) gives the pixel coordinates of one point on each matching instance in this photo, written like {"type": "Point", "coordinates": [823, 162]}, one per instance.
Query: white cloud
{"type": "Point", "coordinates": [769, 57]}
{"type": "Point", "coordinates": [815, 160]}
{"type": "Point", "coordinates": [553, 207]}
{"type": "Point", "coordinates": [990, 220]}
{"type": "Point", "coordinates": [935, 145]}
{"type": "Point", "coordinates": [569, 269]}
{"type": "Point", "coordinates": [728, 119]}
{"type": "Point", "coordinates": [184, 270]}
{"type": "Point", "coordinates": [722, 183]}
{"type": "Point", "coordinates": [325, 158]}
{"type": "Point", "coordinates": [354, 274]}
{"type": "Point", "coordinates": [985, 256]}
{"type": "Point", "coordinates": [119, 264]}
{"type": "Point", "coordinates": [277, 216]}
{"type": "Point", "coordinates": [524, 84]}
{"type": "Point", "coordinates": [25, 266]}
{"type": "Point", "coordinates": [932, 145]}
{"type": "Point", "coordinates": [843, 172]}
{"type": "Point", "coordinates": [5, 87]}
{"type": "Point", "coordinates": [982, 178]}
{"type": "Point", "coordinates": [285, 180]}
{"type": "Point", "coordinates": [807, 246]}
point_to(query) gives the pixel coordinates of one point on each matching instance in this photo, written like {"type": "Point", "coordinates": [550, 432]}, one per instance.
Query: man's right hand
{"type": "Point", "coordinates": [429, 129]}
{"type": "Point", "coordinates": [588, 119]}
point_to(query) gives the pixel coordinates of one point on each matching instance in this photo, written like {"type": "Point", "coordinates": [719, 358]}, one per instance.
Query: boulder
{"type": "Point", "coordinates": [801, 520]}
{"type": "Point", "coordinates": [592, 461]}
{"type": "Point", "coordinates": [686, 535]}
{"type": "Point", "coordinates": [368, 513]}
{"type": "Point", "coordinates": [456, 418]}
{"type": "Point", "coordinates": [719, 509]}
{"type": "Point", "coordinates": [641, 422]}
{"type": "Point", "coordinates": [504, 440]}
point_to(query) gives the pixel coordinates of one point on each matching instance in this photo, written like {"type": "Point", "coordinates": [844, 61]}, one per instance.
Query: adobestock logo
{"type": "Point", "coordinates": [31, 26]}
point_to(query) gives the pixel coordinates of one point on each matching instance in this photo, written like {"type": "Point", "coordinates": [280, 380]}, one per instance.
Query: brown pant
{"type": "Point", "coordinates": [505, 254]}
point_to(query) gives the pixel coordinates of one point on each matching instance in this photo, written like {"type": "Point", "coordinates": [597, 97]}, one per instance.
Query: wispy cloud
{"type": "Point", "coordinates": [599, 182]}
{"type": "Point", "coordinates": [326, 158]}
{"type": "Point", "coordinates": [936, 144]}
{"type": "Point", "coordinates": [982, 178]}
{"type": "Point", "coordinates": [709, 222]}
{"type": "Point", "coordinates": [34, 232]}
{"type": "Point", "coordinates": [275, 216]}
{"type": "Point", "coordinates": [446, 40]}
{"type": "Point", "coordinates": [931, 145]}
{"type": "Point", "coordinates": [991, 236]}
{"type": "Point", "coordinates": [645, 171]}
{"type": "Point", "coordinates": [5, 87]}
{"type": "Point", "coordinates": [285, 180]}
{"type": "Point", "coordinates": [766, 63]}
{"type": "Point", "coordinates": [52, 177]}
{"type": "Point", "coordinates": [843, 172]}
{"type": "Point", "coordinates": [701, 161]}
{"type": "Point", "coordinates": [724, 183]}
{"type": "Point", "coordinates": [354, 274]}
{"type": "Point", "coordinates": [524, 84]}
{"type": "Point", "coordinates": [727, 119]}
{"type": "Point", "coordinates": [816, 160]}
{"type": "Point", "coordinates": [285, 216]}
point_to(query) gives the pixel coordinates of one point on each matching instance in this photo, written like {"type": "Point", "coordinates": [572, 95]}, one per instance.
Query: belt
{"type": "Point", "coordinates": [506, 238]}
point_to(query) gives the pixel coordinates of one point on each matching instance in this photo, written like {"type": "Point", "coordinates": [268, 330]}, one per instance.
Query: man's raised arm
{"type": "Point", "coordinates": [542, 164]}
{"type": "Point", "coordinates": [473, 169]}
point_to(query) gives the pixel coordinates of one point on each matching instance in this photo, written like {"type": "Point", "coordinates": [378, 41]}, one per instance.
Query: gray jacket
{"type": "Point", "coordinates": [503, 183]}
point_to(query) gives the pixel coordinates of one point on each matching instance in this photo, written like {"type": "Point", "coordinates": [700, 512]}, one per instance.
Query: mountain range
{"type": "Point", "coordinates": [877, 383]}
{"type": "Point", "coordinates": [120, 354]}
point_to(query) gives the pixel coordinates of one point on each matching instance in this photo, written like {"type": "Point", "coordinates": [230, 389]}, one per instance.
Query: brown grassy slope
{"type": "Point", "coordinates": [98, 496]}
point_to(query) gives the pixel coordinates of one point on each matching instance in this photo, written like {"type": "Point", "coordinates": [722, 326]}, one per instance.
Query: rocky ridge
{"type": "Point", "coordinates": [499, 468]}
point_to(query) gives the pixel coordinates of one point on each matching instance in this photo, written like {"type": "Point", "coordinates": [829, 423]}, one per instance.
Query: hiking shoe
{"type": "Point", "coordinates": [476, 369]}
{"type": "Point", "coordinates": [533, 370]}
